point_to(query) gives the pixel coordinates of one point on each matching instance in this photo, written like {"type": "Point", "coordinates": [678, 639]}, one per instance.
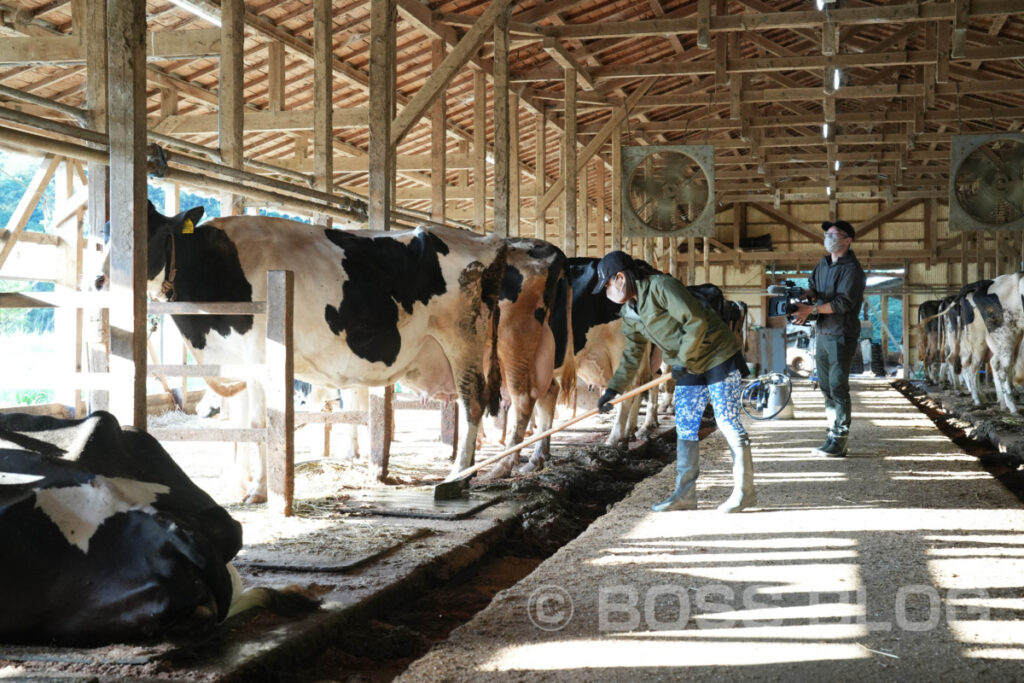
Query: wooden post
{"type": "Point", "coordinates": [601, 223]}
{"type": "Point", "coordinates": [691, 261]}
{"type": "Point", "coordinates": [231, 106]}
{"type": "Point", "coordinates": [279, 388]}
{"type": "Point", "coordinates": [616, 228]}
{"type": "Point", "coordinates": [501, 125]}
{"type": "Point", "coordinates": [128, 237]}
{"type": "Point", "coordinates": [479, 152]}
{"type": "Point", "coordinates": [323, 103]}
{"type": "Point", "coordinates": [381, 153]}
{"type": "Point", "coordinates": [513, 164]}
{"type": "Point", "coordinates": [68, 320]}
{"type": "Point", "coordinates": [569, 166]}
{"type": "Point", "coordinates": [96, 104]}
{"type": "Point", "coordinates": [539, 218]}
{"type": "Point", "coordinates": [381, 420]}
{"type": "Point", "coordinates": [438, 143]}
{"type": "Point", "coordinates": [583, 215]}
{"type": "Point", "coordinates": [906, 321]}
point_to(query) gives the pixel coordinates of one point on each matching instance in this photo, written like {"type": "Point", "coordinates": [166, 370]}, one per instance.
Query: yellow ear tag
{"type": "Point", "coordinates": [188, 228]}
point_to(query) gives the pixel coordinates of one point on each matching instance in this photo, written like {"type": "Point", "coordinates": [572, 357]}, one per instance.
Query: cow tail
{"type": "Point", "coordinates": [490, 288]}
{"type": "Point", "coordinates": [567, 379]}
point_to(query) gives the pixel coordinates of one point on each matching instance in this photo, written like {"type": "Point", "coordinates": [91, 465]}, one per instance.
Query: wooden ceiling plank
{"type": "Point", "coordinates": [566, 60]}
{"type": "Point", "coordinates": [440, 77]}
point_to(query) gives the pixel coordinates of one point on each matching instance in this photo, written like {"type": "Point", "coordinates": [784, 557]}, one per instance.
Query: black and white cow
{"type": "Point", "coordinates": [104, 538]}
{"type": "Point", "coordinates": [371, 308]}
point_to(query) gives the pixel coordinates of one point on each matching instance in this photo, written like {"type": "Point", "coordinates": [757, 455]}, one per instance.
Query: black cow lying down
{"type": "Point", "coordinates": [103, 537]}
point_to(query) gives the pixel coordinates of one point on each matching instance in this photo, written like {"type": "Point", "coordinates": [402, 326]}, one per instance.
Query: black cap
{"type": "Point", "coordinates": [611, 264]}
{"type": "Point", "coordinates": [842, 225]}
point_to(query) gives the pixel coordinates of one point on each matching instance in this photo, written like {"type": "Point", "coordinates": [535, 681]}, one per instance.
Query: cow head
{"type": "Point", "coordinates": [161, 230]}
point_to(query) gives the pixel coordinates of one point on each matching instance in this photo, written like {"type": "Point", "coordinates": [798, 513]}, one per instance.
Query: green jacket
{"type": "Point", "coordinates": [688, 334]}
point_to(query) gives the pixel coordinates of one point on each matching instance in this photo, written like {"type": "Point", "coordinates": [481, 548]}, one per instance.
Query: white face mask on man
{"type": "Point", "coordinates": [616, 289]}
{"type": "Point", "coordinates": [831, 242]}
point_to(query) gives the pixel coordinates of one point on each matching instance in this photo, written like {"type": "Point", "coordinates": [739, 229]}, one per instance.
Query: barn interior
{"type": "Point", "coordinates": [708, 137]}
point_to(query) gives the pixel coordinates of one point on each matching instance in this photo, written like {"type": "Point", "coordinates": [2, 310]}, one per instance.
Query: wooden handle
{"type": "Point", "coordinates": [534, 439]}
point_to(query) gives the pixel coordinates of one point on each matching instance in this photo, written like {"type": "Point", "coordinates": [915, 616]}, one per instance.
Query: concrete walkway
{"type": "Point", "coordinates": [904, 561]}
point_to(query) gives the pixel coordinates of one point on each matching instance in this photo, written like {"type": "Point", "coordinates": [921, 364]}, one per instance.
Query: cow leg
{"type": "Point", "coordinates": [620, 433]}
{"type": "Point", "coordinates": [356, 398]}
{"type": "Point", "coordinates": [257, 492]}
{"type": "Point", "coordinates": [544, 416]}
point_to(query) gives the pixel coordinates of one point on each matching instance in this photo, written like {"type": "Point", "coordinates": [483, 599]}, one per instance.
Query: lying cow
{"type": "Point", "coordinates": [371, 308]}
{"type": "Point", "coordinates": [104, 538]}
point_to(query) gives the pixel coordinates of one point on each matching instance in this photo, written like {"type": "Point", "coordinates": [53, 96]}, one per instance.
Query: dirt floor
{"type": "Point", "coordinates": [902, 561]}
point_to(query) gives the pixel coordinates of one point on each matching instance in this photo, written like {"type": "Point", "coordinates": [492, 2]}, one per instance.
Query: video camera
{"type": "Point", "coordinates": [784, 300]}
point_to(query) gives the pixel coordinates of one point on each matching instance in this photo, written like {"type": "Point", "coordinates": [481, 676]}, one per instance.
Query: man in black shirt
{"type": "Point", "coordinates": [836, 294]}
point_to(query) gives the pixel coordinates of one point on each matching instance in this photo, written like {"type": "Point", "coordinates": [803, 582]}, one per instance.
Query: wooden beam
{"type": "Point", "coordinates": [323, 105]}
{"type": "Point", "coordinates": [540, 161]}
{"type": "Point", "coordinates": [381, 149]}
{"type": "Point", "coordinates": [616, 222]}
{"type": "Point", "coordinates": [501, 125]}
{"type": "Point", "coordinates": [232, 95]}
{"type": "Point", "coordinates": [256, 121]}
{"type": "Point", "coordinates": [439, 79]}
{"type": "Point", "coordinates": [479, 151]}
{"type": "Point", "coordinates": [126, 31]}
{"type": "Point", "coordinates": [67, 50]}
{"type": "Point", "coordinates": [882, 217]}
{"type": "Point", "coordinates": [570, 169]}
{"type": "Point", "coordinates": [438, 143]}
{"type": "Point", "coordinates": [618, 116]}
{"type": "Point", "coordinates": [566, 60]}
{"type": "Point", "coordinates": [96, 103]}
{"type": "Point", "coordinates": [275, 78]}
{"type": "Point", "coordinates": [27, 204]}
{"type": "Point", "coordinates": [788, 221]}
{"type": "Point", "coordinates": [515, 176]}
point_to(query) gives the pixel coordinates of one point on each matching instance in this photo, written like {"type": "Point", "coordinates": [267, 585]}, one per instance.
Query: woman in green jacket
{"type": "Point", "coordinates": [706, 364]}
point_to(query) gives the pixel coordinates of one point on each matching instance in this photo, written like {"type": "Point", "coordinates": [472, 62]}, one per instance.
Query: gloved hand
{"type": "Point", "coordinates": [603, 404]}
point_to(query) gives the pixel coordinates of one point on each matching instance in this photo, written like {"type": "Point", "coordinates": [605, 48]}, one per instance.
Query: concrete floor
{"type": "Point", "coordinates": [904, 561]}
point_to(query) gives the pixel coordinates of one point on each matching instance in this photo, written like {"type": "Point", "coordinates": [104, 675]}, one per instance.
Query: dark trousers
{"type": "Point", "coordinates": [833, 357]}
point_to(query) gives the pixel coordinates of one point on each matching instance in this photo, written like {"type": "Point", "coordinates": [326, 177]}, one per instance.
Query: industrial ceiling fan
{"type": "Point", "coordinates": [668, 190]}
{"type": "Point", "coordinates": [986, 188]}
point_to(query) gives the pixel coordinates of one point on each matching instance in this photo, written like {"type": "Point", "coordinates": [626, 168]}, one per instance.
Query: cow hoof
{"type": "Point", "coordinates": [255, 498]}
{"type": "Point", "coordinates": [532, 465]}
{"type": "Point", "coordinates": [501, 470]}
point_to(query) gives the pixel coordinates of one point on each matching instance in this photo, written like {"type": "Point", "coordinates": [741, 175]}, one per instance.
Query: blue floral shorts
{"type": "Point", "coordinates": [725, 399]}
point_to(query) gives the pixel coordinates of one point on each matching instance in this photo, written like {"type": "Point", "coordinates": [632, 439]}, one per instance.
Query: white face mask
{"type": "Point", "coordinates": [616, 289]}
{"type": "Point", "coordinates": [831, 243]}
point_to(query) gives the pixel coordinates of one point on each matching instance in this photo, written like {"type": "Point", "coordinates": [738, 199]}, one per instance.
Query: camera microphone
{"type": "Point", "coordinates": [778, 290]}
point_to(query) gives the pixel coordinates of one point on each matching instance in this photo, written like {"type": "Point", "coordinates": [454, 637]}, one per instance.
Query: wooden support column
{"type": "Point", "coordinates": [600, 219]}
{"type": "Point", "coordinates": [568, 173]}
{"type": "Point", "coordinates": [539, 213]}
{"type": "Point", "coordinates": [323, 103]}
{"type": "Point", "coordinates": [583, 215]}
{"type": "Point", "coordinates": [381, 153]}
{"type": "Point", "coordinates": [275, 75]}
{"type": "Point", "coordinates": [616, 222]}
{"type": "Point", "coordinates": [479, 152]}
{"type": "Point", "coordinates": [438, 142]}
{"type": "Point", "coordinates": [906, 321]}
{"type": "Point", "coordinates": [963, 259]}
{"type": "Point", "coordinates": [707, 260]}
{"type": "Point", "coordinates": [126, 22]}
{"type": "Point", "coordinates": [515, 175]}
{"type": "Point", "coordinates": [96, 104]}
{"type": "Point", "coordinates": [381, 429]}
{"type": "Point", "coordinates": [501, 125]}
{"type": "Point", "coordinates": [231, 105]}
{"type": "Point", "coordinates": [691, 261]}
{"type": "Point", "coordinates": [68, 320]}
{"type": "Point", "coordinates": [279, 391]}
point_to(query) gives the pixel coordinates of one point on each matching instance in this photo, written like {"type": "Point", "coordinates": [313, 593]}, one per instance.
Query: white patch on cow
{"type": "Point", "coordinates": [15, 478]}
{"type": "Point", "coordinates": [78, 511]}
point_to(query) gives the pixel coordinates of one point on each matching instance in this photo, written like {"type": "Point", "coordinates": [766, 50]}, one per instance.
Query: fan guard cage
{"type": "Point", "coordinates": [969, 175]}
{"type": "Point", "coordinates": [696, 158]}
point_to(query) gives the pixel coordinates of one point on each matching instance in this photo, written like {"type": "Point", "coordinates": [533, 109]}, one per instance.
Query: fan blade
{"type": "Point", "coordinates": [984, 203]}
{"type": "Point", "coordinates": [694, 194]}
{"type": "Point", "coordinates": [649, 186]}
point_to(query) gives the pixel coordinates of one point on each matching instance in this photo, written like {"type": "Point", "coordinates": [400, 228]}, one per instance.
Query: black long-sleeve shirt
{"type": "Point", "coordinates": [842, 285]}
